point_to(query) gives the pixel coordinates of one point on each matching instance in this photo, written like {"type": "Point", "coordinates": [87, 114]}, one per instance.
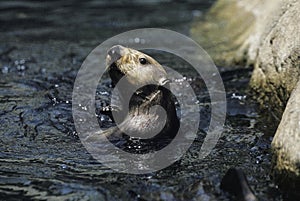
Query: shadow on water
{"type": "Point", "coordinates": [42, 47]}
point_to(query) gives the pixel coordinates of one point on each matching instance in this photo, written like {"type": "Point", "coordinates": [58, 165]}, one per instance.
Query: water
{"type": "Point", "coordinates": [42, 45]}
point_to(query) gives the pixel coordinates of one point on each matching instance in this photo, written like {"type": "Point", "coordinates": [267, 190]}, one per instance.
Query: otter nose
{"type": "Point", "coordinates": [114, 53]}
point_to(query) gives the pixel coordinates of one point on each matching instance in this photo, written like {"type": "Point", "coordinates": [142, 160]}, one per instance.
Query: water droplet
{"type": "Point", "coordinates": [26, 183]}
{"type": "Point", "coordinates": [22, 61]}
{"type": "Point", "coordinates": [239, 97]}
{"type": "Point", "coordinates": [64, 166]}
{"type": "Point", "coordinates": [103, 93]}
{"type": "Point", "coordinates": [21, 67]}
{"type": "Point", "coordinates": [43, 70]}
{"type": "Point", "coordinates": [196, 13]}
{"type": "Point", "coordinates": [136, 40]}
{"type": "Point", "coordinates": [5, 69]}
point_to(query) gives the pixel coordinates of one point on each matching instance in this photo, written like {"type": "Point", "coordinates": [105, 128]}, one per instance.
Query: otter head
{"type": "Point", "coordinates": [139, 68]}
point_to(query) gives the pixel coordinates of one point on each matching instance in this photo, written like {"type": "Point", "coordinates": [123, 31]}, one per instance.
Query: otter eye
{"type": "Point", "coordinates": [143, 61]}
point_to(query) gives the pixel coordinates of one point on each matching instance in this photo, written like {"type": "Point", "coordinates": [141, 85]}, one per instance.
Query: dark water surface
{"type": "Point", "coordinates": [42, 46]}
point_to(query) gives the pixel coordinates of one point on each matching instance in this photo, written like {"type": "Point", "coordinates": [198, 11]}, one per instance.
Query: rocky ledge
{"type": "Point", "coordinates": [266, 35]}
{"type": "Point", "coordinates": [286, 146]}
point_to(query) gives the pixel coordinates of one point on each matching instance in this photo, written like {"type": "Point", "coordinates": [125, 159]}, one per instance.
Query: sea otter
{"type": "Point", "coordinates": [136, 70]}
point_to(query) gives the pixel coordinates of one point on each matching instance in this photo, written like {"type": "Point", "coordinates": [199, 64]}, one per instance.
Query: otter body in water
{"type": "Point", "coordinates": [139, 71]}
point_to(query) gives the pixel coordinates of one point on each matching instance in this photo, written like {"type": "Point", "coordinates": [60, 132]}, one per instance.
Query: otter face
{"type": "Point", "coordinates": [139, 68]}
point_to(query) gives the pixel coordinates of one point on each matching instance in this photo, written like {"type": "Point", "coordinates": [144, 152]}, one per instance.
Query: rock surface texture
{"type": "Point", "coordinates": [277, 67]}
{"type": "Point", "coordinates": [266, 35]}
{"type": "Point", "coordinates": [263, 34]}
{"type": "Point", "coordinates": [286, 145]}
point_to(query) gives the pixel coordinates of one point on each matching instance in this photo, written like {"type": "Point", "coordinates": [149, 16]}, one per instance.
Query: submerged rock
{"type": "Point", "coordinates": [235, 182]}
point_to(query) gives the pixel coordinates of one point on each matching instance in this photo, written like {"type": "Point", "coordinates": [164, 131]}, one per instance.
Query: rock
{"type": "Point", "coordinates": [266, 35]}
{"type": "Point", "coordinates": [286, 146]}
{"type": "Point", "coordinates": [235, 183]}
{"type": "Point", "coordinates": [232, 30]}
{"type": "Point", "coordinates": [277, 67]}
{"type": "Point", "coordinates": [263, 34]}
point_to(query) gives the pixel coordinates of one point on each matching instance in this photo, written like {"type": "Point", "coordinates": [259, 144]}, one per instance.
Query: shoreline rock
{"type": "Point", "coordinates": [266, 35]}
{"type": "Point", "coordinates": [286, 146]}
{"type": "Point", "coordinates": [231, 31]}
{"type": "Point", "coordinates": [277, 67]}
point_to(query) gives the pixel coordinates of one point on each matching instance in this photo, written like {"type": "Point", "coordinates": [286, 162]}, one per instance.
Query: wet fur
{"type": "Point", "coordinates": [140, 118]}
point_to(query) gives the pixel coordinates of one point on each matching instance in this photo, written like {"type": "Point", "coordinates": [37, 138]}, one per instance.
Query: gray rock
{"type": "Point", "coordinates": [235, 182]}
{"type": "Point", "coordinates": [263, 34]}
{"type": "Point", "coordinates": [277, 67]}
{"type": "Point", "coordinates": [286, 145]}
{"type": "Point", "coordinates": [266, 35]}
{"type": "Point", "coordinates": [232, 31]}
